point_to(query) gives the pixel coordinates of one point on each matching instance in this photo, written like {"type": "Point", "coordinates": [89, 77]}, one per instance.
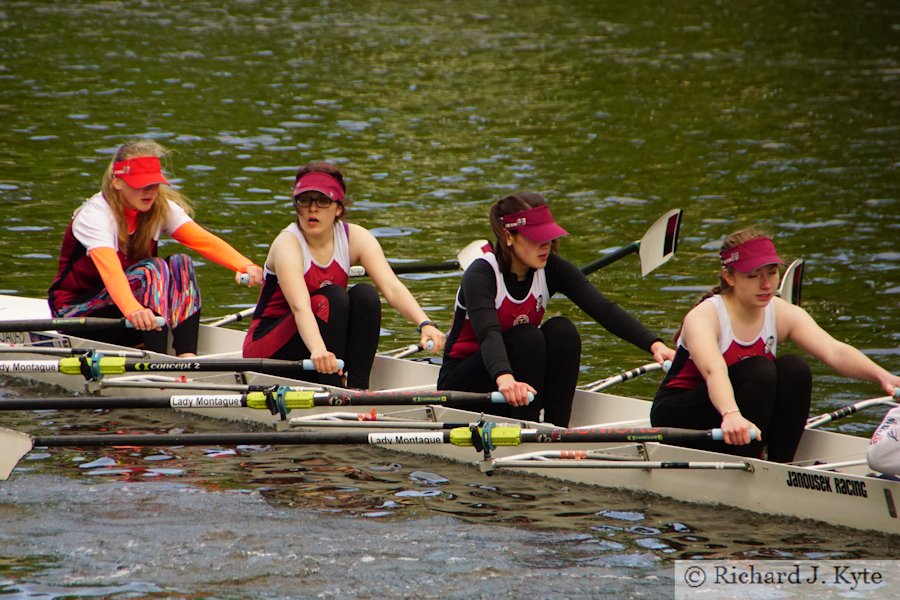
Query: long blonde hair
{"type": "Point", "coordinates": [139, 245]}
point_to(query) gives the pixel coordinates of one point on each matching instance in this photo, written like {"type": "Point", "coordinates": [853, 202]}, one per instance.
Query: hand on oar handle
{"type": "Point", "coordinates": [145, 320]}
{"type": "Point", "coordinates": [718, 435]}
{"type": "Point", "coordinates": [324, 362]}
{"type": "Point", "coordinates": [736, 430]}
{"type": "Point", "coordinates": [517, 393]}
{"type": "Point", "coordinates": [432, 338]}
{"type": "Point", "coordinates": [252, 276]}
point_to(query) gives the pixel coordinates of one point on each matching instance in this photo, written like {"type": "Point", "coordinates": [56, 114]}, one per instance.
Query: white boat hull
{"type": "Point", "coordinates": [843, 495]}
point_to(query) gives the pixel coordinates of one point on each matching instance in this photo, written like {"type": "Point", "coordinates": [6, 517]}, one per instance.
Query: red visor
{"type": "Point", "coordinates": [751, 255]}
{"type": "Point", "coordinates": [319, 182]}
{"type": "Point", "coordinates": [140, 171]}
{"type": "Point", "coordinates": [536, 224]}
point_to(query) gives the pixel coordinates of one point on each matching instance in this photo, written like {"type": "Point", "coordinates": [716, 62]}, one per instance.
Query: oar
{"type": "Point", "coordinates": [96, 366]}
{"type": "Point", "coordinates": [238, 316]}
{"type": "Point", "coordinates": [817, 421]}
{"type": "Point", "coordinates": [791, 282]}
{"type": "Point", "coordinates": [602, 384]}
{"type": "Point", "coordinates": [403, 352]}
{"type": "Point", "coordinates": [69, 324]}
{"type": "Point", "coordinates": [463, 259]}
{"type": "Point", "coordinates": [498, 435]}
{"type": "Point", "coordinates": [16, 444]}
{"type": "Point", "coordinates": [275, 400]}
{"type": "Point", "coordinates": [54, 351]}
{"type": "Point", "coordinates": [655, 248]}
{"type": "Point", "coordinates": [408, 350]}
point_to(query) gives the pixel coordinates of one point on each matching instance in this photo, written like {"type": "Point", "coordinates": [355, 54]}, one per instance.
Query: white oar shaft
{"type": "Point", "coordinates": [602, 384]}
{"type": "Point", "coordinates": [551, 462]}
{"type": "Point", "coordinates": [814, 422]}
{"type": "Point", "coordinates": [247, 312]}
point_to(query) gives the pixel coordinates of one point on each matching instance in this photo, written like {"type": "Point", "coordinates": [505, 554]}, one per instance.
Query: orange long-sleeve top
{"type": "Point", "coordinates": [191, 235]}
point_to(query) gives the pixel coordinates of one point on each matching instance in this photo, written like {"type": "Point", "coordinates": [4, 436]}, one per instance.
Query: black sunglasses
{"type": "Point", "coordinates": [305, 201]}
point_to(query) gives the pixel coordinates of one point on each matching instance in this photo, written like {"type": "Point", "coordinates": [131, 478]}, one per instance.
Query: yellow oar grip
{"type": "Point", "coordinates": [500, 436]}
{"type": "Point", "coordinates": [108, 365]}
{"type": "Point", "coordinates": [295, 399]}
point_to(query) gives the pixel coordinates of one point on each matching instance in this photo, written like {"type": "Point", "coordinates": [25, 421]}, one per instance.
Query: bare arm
{"type": "Point", "coordinates": [700, 336]}
{"type": "Point", "coordinates": [795, 324]}
{"type": "Point", "coordinates": [365, 250]}
{"type": "Point", "coordinates": [286, 260]}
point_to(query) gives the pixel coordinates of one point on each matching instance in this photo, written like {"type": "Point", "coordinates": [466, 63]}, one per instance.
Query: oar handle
{"type": "Point", "coordinates": [245, 279]}
{"type": "Point", "coordinates": [498, 398]}
{"type": "Point", "coordinates": [160, 322]}
{"type": "Point", "coordinates": [718, 436]}
{"type": "Point", "coordinates": [308, 364]}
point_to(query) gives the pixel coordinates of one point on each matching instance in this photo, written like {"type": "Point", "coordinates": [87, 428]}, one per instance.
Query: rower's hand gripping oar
{"type": "Point", "coordinates": [70, 324]}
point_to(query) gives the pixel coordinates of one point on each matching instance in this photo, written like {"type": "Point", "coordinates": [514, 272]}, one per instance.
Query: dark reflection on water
{"type": "Point", "coordinates": [177, 506]}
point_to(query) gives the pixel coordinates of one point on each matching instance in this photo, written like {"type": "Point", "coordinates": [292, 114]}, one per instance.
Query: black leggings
{"type": "Point", "coordinates": [351, 333]}
{"type": "Point", "coordinates": [547, 358]}
{"type": "Point", "coordinates": [773, 395]}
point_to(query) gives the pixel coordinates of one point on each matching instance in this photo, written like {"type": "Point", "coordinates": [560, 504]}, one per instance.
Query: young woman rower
{"type": "Point", "coordinates": [305, 308]}
{"type": "Point", "coordinates": [497, 341]}
{"type": "Point", "coordinates": [108, 264]}
{"type": "Point", "coordinates": [726, 373]}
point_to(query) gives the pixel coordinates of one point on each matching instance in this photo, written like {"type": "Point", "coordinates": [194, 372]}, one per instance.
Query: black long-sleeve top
{"type": "Point", "coordinates": [479, 289]}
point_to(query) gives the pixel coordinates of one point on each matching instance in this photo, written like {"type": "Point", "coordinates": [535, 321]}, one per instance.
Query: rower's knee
{"type": "Point", "coordinates": [793, 367]}
{"type": "Point", "coordinates": [562, 340]}
{"type": "Point", "coordinates": [364, 297]}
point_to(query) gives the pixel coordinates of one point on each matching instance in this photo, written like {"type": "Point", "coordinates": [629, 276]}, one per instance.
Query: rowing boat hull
{"type": "Point", "coordinates": [845, 495]}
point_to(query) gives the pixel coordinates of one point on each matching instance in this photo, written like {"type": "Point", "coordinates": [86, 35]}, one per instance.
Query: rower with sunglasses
{"type": "Point", "coordinates": [305, 308]}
